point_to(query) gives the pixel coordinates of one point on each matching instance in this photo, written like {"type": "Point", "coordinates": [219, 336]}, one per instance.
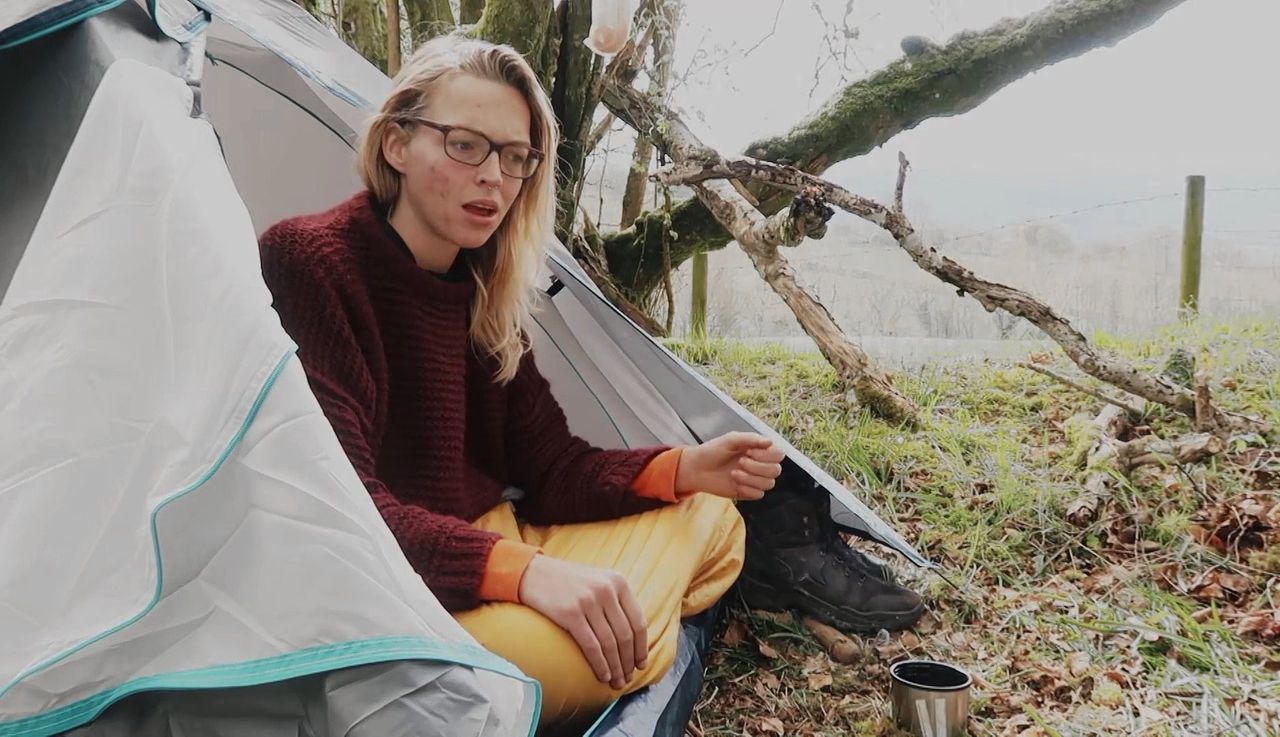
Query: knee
{"type": "Point", "coordinates": [719, 519]}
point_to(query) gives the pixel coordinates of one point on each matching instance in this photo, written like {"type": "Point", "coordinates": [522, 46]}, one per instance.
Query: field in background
{"type": "Point", "coordinates": [908, 317]}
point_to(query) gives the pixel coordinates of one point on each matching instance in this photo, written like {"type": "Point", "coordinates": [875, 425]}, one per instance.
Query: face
{"type": "Point", "coordinates": [456, 203]}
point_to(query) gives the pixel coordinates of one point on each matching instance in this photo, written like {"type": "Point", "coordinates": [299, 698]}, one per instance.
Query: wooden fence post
{"type": "Point", "coordinates": [698, 306]}
{"type": "Point", "coordinates": [1192, 233]}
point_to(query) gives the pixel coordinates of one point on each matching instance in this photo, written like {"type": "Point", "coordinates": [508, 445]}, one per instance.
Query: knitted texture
{"type": "Point", "coordinates": [434, 438]}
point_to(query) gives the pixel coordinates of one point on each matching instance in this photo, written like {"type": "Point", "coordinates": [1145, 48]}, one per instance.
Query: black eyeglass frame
{"type": "Point", "coordinates": [537, 155]}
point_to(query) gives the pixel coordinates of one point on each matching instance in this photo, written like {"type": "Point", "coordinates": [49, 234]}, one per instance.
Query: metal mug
{"type": "Point", "coordinates": [929, 699]}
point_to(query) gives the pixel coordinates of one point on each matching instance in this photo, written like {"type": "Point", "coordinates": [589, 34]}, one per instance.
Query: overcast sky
{"type": "Point", "coordinates": [1197, 92]}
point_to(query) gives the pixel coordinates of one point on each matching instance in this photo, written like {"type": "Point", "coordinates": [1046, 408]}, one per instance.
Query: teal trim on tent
{"type": "Point", "coordinates": [53, 19]}
{"type": "Point", "coordinates": [269, 670]}
{"type": "Point", "coordinates": [155, 534]}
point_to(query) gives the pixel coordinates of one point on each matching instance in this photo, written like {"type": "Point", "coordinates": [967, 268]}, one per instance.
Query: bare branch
{"type": "Point", "coordinates": [950, 79]}
{"type": "Point", "coordinates": [1130, 409]}
{"type": "Point", "coordinates": [759, 237]}
{"type": "Point", "coordinates": [1101, 365]}
{"type": "Point", "coordinates": [903, 165]}
{"type": "Point", "coordinates": [597, 133]}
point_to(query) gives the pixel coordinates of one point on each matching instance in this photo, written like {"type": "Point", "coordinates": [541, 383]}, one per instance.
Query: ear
{"type": "Point", "coordinates": [395, 146]}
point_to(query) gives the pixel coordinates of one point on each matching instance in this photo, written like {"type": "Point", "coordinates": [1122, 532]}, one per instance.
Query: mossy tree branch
{"type": "Point", "coordinates": [948, 80]}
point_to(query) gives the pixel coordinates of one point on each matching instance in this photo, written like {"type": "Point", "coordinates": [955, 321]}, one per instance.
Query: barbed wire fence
{"type": "Point", "coordinates": [878, 293]}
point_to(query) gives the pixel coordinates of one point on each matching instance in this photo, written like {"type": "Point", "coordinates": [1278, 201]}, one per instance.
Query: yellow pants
{"type": "Point", "coordinates": [679, 560]}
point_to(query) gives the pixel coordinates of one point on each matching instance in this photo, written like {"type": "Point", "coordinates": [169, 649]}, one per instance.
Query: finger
{"type": "Point", "coordinates": [757, 468]}
{"type": "Point", "coordinates": [741, 442]}
{"type": "Point", "coordinates": [742, 478]}
{"type": "Point", "coordinates": [624, 636]}
{"type": "Point", "coordinates": [639, 628]}
{"type": "Point", "coordinates": [608, 644]}
{"type": "Point", "coordinates": [772, 454]}
{"type": "Point", "coordinates": [584, 634]}
{"type": "Point", "coordinates": [748, 493]}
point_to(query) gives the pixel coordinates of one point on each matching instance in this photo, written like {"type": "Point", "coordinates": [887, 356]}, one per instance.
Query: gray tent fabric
{"type": "Point", "coordinates": [178, 515]}
{"type": "Point", "coordinates": [263, 107]}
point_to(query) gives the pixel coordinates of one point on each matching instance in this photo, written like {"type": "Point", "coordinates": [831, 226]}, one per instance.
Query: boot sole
{"type": "Point", "coordinates": [842, 618]}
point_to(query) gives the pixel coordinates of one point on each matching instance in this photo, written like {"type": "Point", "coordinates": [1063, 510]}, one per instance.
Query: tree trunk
{"type": "Point", "coordinates": [952, 79]}
{"type": "Point", "coordinates": [520, 23]}
{"type": "Point", "coordinates": [575, 101]}
{"type": "Point", "coordinates": [364, 27]}
{"type": "Point", "coordinates": [471, 10]}
{"type": "Point", "coordinates": [393, 37]}
{"type": "Point", "coordinates": [428, 19]}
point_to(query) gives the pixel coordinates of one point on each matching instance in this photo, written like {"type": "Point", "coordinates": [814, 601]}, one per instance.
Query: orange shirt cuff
{"type": "Point", "coordinates": [504, 570]}
{"type": "Point", "coordinates": [658, 479]}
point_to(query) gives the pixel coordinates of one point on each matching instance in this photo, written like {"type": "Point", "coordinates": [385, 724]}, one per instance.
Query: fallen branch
{"type": "Point", "coordinates": [759, 237]}
{"type": "Point", "coordinates": [1134, 412]}
{"type": "Point", "coordinates": [1108, 425]}
{"type": "Point", "coordinates": [1101, 365]}
{"type": "Point", "coordinates": [1151, 450]}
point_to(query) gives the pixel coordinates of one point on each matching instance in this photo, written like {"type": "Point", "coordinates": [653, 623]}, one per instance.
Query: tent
{"type": "Point", "coordinates": [176, 515]}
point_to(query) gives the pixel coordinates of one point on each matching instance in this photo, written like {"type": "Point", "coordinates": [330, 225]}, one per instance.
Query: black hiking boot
{"type": "Point", "coordinates": [797, 559]}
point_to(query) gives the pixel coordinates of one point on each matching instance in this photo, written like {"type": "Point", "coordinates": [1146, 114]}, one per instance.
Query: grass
{"type": "Point", "coordinates": [1126, 626]}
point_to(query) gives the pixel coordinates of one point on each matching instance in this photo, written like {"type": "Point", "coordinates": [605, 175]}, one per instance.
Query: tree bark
{"type": "Point", "coordinates": [428, 19]}
{"type": "Point", "coordinates": [520, 23]}
{"type": "Point", "coordinates": [363, 26]}
{"type": "Point", "coordinates": [393, 37]}
{"type": "Point", "coordinates": [471, 11]}
{"type": "Point", "coordinates": [575, 101]}
{"type": "Point", "coordinates": [953, 79]}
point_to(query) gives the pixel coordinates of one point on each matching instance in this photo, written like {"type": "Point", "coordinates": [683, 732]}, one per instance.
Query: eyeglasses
{"type": "Point", "coordinates": [471, 147]}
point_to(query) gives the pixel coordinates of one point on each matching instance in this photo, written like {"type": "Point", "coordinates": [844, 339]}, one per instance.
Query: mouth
{"type": "Point", "coordinates": [486, 210]}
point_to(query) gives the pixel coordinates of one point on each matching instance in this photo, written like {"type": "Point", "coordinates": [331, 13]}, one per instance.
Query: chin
{"type": "Point", "coordinates": [471, 240]}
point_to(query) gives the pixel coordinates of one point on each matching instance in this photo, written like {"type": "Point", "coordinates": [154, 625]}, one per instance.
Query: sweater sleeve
{"type": "Point", "coordinates": [335, 335]}
{"type": "Point", "coordinates": [565, 478]}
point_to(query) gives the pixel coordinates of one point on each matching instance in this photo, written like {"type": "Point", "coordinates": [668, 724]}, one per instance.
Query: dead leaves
{"type": "Point", "coordinates": [1219, 585]}
{"type": "Point", "coordinates": [1265, 625]}
{"type": "Point", "coordinates": [1245, 522]}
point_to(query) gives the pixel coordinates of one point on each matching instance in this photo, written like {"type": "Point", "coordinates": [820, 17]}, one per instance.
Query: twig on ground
{"type": "Point", "coordinates": [1133, 411]}
{"type": "Point", "coordinates": [839, 647]}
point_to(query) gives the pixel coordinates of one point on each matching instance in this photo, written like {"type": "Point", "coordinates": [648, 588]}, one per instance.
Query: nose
{"type": "Point", "coordinates": [489, 172]}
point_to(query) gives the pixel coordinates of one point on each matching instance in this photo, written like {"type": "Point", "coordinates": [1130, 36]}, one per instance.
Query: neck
{"type": "Point", "coordinates": [429, 250]}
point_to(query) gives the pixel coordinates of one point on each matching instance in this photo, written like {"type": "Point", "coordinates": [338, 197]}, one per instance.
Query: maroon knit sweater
{"type": "Point", "coordinates": [433, 436]}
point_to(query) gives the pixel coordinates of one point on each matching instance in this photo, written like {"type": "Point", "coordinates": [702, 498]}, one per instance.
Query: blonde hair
{"type": "Point", "coordinates": [504, 269]}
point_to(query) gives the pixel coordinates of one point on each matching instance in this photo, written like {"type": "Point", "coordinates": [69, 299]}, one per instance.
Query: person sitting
{"type": "Point", "coordinates": [409, 303]}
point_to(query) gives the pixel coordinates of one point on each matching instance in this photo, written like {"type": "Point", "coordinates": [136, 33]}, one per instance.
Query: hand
{"type": "Point", "coordinates": [596, 607]}
{"type": "Point", "coordinates": [736, 465]}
